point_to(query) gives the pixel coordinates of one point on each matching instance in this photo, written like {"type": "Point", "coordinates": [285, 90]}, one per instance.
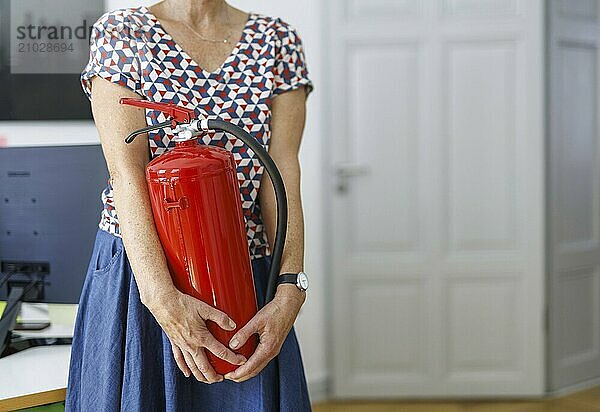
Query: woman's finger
{"type": "Point", "coordinates": [223, 352]}
{"type": "Point", "coordinates": [180, 360]}
{"type": "Point", "coordinates": [205, 367]}
{"type": "Point", "coordinates": [189, 360]}
{"type": "Point", "coordinates": [259, 359]}
{"type": "Point", "coordinates": [242, 335]}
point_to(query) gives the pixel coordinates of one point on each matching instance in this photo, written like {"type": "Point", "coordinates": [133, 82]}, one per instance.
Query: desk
{"type": "Point", "coordinates": [38, 376]}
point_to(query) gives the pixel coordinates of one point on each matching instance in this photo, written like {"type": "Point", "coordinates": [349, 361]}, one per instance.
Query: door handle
{"type": "Point", "coordinates": [351, 170]}
{"type": "Point", "coordinates": [344, 171]}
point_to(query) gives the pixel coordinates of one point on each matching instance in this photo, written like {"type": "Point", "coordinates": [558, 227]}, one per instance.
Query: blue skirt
{"type": "Point", "coordinates": [122, 360]}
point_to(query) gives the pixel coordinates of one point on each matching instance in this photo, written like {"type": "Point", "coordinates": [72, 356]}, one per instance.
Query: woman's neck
{"type": "Point", "coordinates": [198, 13]}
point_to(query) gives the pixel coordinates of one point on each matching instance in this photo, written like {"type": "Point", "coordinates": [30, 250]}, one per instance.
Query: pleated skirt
{"type": "Point", "coordinates": [121, 360]}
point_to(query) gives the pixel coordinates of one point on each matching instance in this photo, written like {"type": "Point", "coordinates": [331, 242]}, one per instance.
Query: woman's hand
{"type": "Point", "coordinates": [183, 318]}
{"type": "Point", "coordinates": [272, 323]}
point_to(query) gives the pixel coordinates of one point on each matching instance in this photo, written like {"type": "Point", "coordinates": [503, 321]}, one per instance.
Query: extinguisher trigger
{"type": "Point", "coordinates": [184, 132]}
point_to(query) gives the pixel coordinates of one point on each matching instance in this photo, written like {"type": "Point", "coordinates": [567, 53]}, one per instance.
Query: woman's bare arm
{"type": "Point", "coordinates": [126, 164]}
{"type": "Point", "coordinates": [181, 316]}
{"type": "Point", "coordinates": [287, 126]}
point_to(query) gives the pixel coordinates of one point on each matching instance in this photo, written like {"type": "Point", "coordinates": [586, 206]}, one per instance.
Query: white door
{"type": "Point", "coordinates": [574, 349]}
{"type": "Point", "coordinates": [436, 148]}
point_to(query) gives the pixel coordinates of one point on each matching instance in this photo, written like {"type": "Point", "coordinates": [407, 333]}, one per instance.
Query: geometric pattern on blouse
{"type": "Point", "coordinates": [129, 47]}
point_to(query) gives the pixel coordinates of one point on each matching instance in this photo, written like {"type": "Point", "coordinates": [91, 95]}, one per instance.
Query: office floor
{"type": "Point", "coordinates": [585, 401]}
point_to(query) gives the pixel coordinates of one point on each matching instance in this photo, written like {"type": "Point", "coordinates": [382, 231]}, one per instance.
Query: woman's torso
{"type": "Point", "coordinates": [239, 91]}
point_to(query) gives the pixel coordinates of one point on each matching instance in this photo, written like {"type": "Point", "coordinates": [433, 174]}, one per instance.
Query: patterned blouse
{"type": "Point", "coordinates": [130, 47]}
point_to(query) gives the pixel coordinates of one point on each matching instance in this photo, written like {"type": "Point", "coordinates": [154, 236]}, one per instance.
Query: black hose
{"type": "Point", "coordinates": [280, 195]}
{"type": "Point", "coordinates": [157, 126]}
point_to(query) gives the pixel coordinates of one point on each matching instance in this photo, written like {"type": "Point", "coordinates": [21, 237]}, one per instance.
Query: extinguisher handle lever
{"type": "Point", "coordinates": [176, 114]}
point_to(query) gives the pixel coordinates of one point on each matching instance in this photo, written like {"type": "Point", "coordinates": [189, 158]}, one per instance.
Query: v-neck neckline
{"type": "Point", "coordinates": [181, 50]}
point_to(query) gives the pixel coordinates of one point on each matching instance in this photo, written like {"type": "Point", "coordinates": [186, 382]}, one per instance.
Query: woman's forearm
{"type": "Point", "coordinates": [293, 253]}
{"type": "Point", "coordinates": [140, 238]}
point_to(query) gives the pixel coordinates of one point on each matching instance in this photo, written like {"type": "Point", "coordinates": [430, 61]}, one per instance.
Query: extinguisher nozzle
{"type": "Point", "coordinates": [129, 139]}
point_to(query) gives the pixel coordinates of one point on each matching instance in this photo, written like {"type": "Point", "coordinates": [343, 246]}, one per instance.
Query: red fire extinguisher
{"type": "Point", "coordinates": [195, 197]}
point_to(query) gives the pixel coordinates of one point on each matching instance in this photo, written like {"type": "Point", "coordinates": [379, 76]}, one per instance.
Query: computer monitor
{"type": "Point", "coordinates": [50, 207]}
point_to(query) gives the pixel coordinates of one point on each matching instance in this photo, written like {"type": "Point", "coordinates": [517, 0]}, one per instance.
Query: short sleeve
{"type": "Point", "coordinates": [290, 65]}
{"type": "Point", "coordinates": [113, 53]}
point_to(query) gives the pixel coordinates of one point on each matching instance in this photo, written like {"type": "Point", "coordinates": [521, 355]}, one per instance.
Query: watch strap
{"type": "Point", "coordinates": [287, 278]}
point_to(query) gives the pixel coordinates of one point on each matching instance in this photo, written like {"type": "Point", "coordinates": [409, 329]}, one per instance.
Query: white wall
{"type": "Point", "coordinates": [48, 133]}
{"type": "Point", "coordinates": [573, 197]}
{"type": "Point", "coordinates": [306, 17]}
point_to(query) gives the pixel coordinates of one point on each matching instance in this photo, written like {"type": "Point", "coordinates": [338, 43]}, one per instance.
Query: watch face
{"type": "Point", "coordinates": [302, 281]}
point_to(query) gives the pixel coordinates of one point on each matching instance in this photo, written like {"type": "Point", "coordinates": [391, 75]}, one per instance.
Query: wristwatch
{"type": "Point", "coordinates": [298, 279]}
